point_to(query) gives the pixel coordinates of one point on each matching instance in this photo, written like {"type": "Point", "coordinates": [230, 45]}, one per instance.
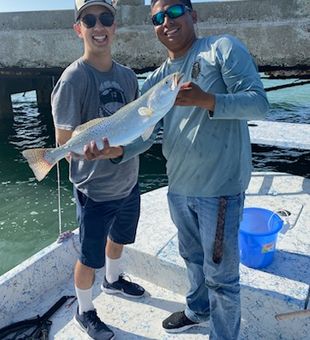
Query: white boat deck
{"type": "Point", "coordinates": [280, 134]}
{"type": "Point", "coordinates": [34, 286]}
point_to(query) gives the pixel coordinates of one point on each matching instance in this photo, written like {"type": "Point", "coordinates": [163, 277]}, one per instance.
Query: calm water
{"type": "Point", "coordinates": [29, 210]}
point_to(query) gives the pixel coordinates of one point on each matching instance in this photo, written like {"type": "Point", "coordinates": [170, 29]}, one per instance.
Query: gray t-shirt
{"type": "Point", "coordinates": [84, 93]}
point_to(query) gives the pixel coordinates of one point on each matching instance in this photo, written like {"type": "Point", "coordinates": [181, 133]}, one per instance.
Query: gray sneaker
{"type": "Point", "coordinates": [90, 323]}
{"type": "Point", "coordinates": [124, 287]}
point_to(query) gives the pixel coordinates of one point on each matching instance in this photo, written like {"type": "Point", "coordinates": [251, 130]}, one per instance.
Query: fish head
{"type": "Point", "coordinates": [164, 94]}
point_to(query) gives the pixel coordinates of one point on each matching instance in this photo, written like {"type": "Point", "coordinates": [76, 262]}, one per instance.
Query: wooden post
{"type": "Point", "coordinates": [43, 90]}
{"type": "Point", "coordinates": [5, 99]}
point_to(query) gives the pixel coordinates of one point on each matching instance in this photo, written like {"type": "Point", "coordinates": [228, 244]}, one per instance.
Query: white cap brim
{"type": "Point", "coordinates": [94, 3]}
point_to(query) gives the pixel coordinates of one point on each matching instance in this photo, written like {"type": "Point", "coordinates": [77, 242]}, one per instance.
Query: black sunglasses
{"type": "Point", "coordinates": [172, 12]}
{"type": "Point", "coordinates": [90, 20]}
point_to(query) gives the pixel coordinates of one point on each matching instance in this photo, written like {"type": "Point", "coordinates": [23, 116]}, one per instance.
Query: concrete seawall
{"type": "Point", "coordinates": [276, 32]}
{"type": "Point", "coordinates": [37, 46]}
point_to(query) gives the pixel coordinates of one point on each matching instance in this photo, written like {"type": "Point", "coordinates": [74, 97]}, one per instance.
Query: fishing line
{"type": "Point", "coordinates": [58, 194]}
{"type": "Point", "coordinates": [62, 236]}
{"type": "Point", "coordinates": [58, 181]}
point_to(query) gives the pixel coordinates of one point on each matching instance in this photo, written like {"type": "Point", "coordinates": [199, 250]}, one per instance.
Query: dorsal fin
{"type": "Point", "coordinates": [86, 125]}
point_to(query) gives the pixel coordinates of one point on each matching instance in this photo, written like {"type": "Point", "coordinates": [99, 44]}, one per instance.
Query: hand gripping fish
{"type": "Point", "coordinates": [133, 120]}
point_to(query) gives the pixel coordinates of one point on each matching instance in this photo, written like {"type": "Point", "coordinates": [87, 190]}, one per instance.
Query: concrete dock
{"type": "Point", "coordinates": [276, 33]}
{"type": "Point", "coordinates": [37, 46]}
{"type": "Point", "coordinates": [34, 286]}
{"type": "Point", "coordinates": [280, 134]}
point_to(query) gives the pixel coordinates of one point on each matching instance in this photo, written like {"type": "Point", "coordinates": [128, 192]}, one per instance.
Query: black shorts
{"type": "Point", "coordinates": [117, 219]}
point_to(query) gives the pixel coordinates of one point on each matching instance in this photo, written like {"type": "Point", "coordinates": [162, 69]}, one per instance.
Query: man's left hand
{"type": "Point", "coordinates": [91, 151]}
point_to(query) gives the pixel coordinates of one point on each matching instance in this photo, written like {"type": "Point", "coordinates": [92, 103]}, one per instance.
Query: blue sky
{"type": "Point", "coordinates": [33, 5]}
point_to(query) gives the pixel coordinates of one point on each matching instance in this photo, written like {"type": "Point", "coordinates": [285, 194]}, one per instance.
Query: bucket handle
{"type": "Point", "coordinates": [276, 212]}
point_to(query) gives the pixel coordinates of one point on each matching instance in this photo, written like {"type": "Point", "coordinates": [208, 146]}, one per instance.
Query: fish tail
{"type": "Point", "coordinates": [37, 162]}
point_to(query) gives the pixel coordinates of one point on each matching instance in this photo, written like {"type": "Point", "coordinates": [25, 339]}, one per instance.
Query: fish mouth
{"type": "Point", "coordinates": [178, 77]}
{"type": "Point", "coordinates": [177, 80]}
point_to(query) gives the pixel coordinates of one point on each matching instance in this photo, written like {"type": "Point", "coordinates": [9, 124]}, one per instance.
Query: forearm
{"type": "Point", "coordinates": [207, 101]}
{"type": "Point", "coordinates": [249, 105]}
{"type": "Point", "coordinates": [62, 136]}
{"type": "Point", "coordinates": [134, 149]}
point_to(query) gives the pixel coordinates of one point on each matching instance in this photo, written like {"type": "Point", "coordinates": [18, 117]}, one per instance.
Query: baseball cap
{"type": "Point", "coordinates": [80, 5]}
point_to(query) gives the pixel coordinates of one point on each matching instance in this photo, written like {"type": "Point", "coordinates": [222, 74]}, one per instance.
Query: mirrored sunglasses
{"type": "Point", "coordinates": [172, 12]}
{"type": "Point", "coordinates": [106, 19]}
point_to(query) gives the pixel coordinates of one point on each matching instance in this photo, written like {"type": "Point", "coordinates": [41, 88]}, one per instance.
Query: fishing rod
{"type": "Point", "coordinates": [284, 86]}
{"type": "Point", "coordinates": [295, 314]}
{"type": "Point", "coordinates": [41, 325]}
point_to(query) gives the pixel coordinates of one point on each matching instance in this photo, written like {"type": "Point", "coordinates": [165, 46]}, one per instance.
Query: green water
{"type": "Point", "coordinates": [29, 211]}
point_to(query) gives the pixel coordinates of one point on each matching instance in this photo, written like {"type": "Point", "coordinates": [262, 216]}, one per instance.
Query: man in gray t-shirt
{"type": "Point", "coordinates": [107, 194]}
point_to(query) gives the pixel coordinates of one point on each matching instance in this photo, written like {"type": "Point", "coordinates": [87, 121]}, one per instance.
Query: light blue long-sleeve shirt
{"type": "Point", "coordinates": [209, 154]}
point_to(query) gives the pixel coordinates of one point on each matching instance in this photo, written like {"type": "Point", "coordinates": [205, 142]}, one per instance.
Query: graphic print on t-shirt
{"type": "Point", "coordinates": [196, 70]}
{"type": "Point", "coordinates": [112, 98]}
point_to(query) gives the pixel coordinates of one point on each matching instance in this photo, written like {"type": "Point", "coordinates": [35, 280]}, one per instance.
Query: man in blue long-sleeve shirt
{"type": "Point", "coordinates": [207, 146]}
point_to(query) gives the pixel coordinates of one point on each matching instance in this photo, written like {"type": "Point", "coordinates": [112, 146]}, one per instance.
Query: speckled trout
{"type": "Point", "coordinates": [133, 120]}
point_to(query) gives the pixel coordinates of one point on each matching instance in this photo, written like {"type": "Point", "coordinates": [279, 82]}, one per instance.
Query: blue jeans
{"type": "Point", "coordinates": [208, 242]}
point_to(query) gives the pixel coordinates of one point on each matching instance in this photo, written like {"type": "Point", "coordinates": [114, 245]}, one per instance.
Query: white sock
{"type": "Point", "coordinates": [113, 269]}
{"type": "Point", "coordinates": [85, 299]}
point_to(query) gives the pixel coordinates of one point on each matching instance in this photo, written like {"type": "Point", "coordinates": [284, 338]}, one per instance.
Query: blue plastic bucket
{"type": "Point", "coordinates": [258, 236]}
